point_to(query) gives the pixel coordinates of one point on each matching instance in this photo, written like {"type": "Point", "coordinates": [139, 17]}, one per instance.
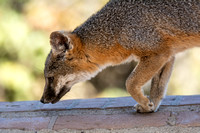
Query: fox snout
{"type": "Point", "coordinates": [50, 96]}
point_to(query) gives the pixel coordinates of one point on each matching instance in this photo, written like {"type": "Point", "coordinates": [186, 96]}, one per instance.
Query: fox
{"type": "Point", "coordinates": [150, 32]}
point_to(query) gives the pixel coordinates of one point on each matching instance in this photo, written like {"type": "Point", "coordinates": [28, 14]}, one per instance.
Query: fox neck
{"type": "Point", "coordinates": [98, 56]}
{"type": "Point", "coordinates": [104, 57]}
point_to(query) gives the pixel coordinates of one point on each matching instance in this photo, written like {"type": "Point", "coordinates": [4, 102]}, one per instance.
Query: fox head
{"type": "Point", "coordinates": [66, 64]}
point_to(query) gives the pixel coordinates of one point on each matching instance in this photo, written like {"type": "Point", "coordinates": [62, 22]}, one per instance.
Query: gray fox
{"type": "Point", "coordinates": [151, 32]}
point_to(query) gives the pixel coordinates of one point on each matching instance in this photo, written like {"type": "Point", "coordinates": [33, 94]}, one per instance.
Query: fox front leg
{"type": "Point", "coordinates": [159, 83]}
{"type": "Point", "coordinates": [143, 72]}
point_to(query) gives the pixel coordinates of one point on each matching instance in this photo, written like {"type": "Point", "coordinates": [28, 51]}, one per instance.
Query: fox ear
{"type": "Point", "coordinates": [60, 42]}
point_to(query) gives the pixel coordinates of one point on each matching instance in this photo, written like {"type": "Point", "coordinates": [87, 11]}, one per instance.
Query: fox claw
{"type": "Point", "coordinates": [144, 109]}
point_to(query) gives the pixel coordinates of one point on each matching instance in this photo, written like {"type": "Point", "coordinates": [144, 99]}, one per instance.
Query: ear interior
{"type": "Point", "coordinates": [59, 42]}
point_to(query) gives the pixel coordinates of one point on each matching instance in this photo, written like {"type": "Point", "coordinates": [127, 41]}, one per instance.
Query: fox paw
{"type": "Point", "coordinates": [149, 108]}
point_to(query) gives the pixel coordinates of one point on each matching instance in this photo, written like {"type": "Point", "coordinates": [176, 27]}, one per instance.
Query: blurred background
{"type": "Point", "coordinates": [25, 26]}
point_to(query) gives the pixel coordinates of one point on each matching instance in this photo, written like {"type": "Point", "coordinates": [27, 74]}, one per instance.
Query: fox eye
{"type": "Point", "coordinates": [50, 79]}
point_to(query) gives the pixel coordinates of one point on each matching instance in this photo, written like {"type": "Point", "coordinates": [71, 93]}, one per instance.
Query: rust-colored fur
{"type": "Point", "coordinates": [150, 32]}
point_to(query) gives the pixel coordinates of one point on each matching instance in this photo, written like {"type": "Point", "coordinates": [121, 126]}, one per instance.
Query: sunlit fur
{"type": "Point", "coordinates": [151, 32]}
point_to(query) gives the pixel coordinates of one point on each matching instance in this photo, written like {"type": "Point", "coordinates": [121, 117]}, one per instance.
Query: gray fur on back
{"type": "Point", "coordinates": [137, 23]}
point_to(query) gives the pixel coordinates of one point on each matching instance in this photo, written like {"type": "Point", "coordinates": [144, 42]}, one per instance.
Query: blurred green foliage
{"type": "Point", "coordinates": [22, 52]}
{"type": "Point", "coordinates": [25, 26]}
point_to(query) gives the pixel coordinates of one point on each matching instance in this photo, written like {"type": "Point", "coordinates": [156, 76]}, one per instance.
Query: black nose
{"type": "Point", "coordinates": [42, 100]}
